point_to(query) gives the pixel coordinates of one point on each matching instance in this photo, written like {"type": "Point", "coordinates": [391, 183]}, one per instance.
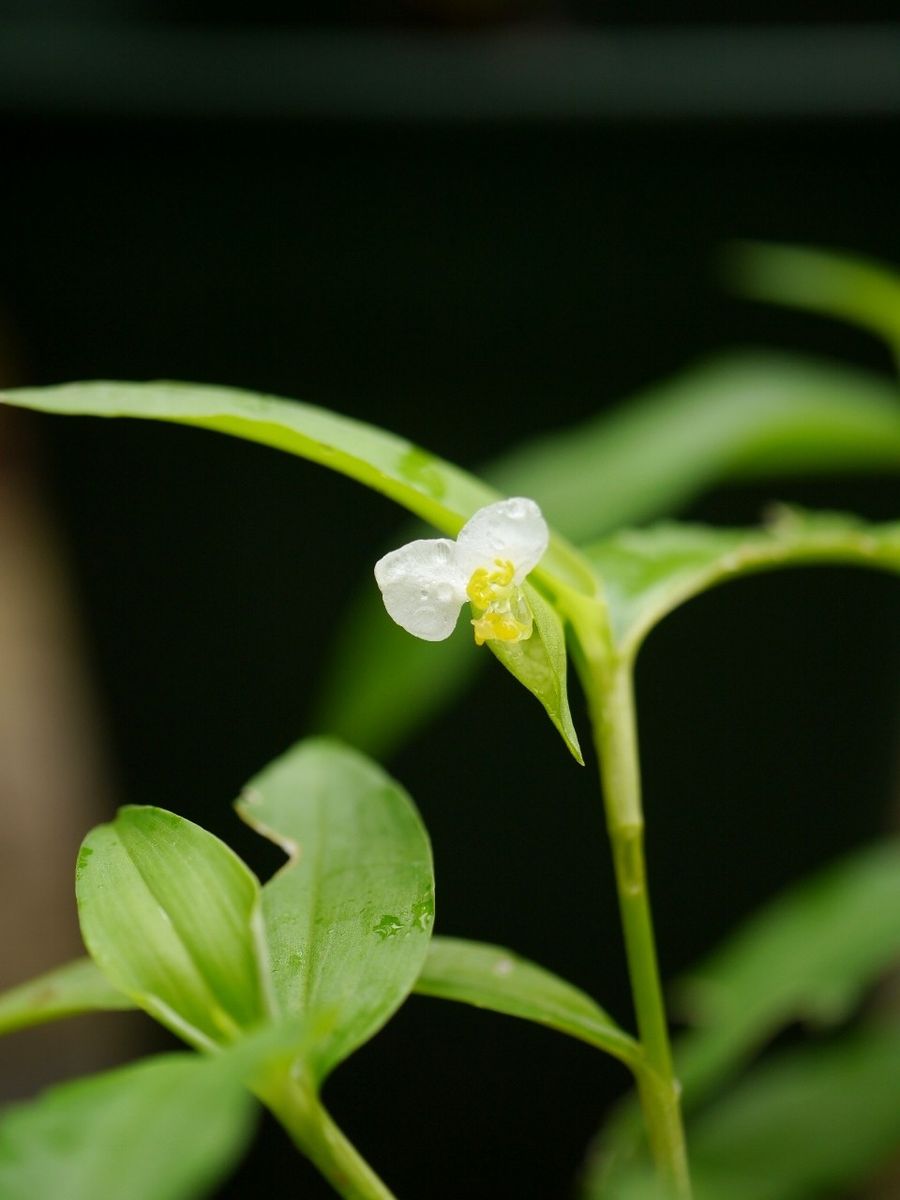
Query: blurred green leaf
{"type": "Point", "coordinates": [646, 573]}
{"type": "Point", "coordinates": [810, 954]}
{"type": "Point", "coordinates": [736, 418]}
{"type": "Point", "coordinates": [349, 916]}
{"type": "Point", "coordinates": [496, 979]}
{"type": "Point", "coordinates": [804, 1125]}
{"type": "Point", "coordinates": [539, 662]}
{"type": "Point", "coordinates": [77, 987]}
{"type": "Point", "coordinates": [859, 290]}
{"type": "Point", "coordinates": [168, 1128]}
{"type": "Point", "coordinates": [172, 918]}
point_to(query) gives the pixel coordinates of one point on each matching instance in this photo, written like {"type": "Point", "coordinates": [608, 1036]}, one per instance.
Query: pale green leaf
{"type": "Point", "coordinates": [539, 662]}
{"type": "Point", "coordinates": [349, 916]}
{"type": "Point", "coordinates": [496, 979]}
{"type": "Point", "coordinates": [172, 918]}
{"type": "Point", "coordinates": [168, 1128]}
{"type": "Point", "coordinates": [77, 987]}
{"type": "Point", "coordinates": [859, 290]}
{"type": "Point", "coordinates": [647, 573]}
{"type": "Point", "coordinates": [741, 417]}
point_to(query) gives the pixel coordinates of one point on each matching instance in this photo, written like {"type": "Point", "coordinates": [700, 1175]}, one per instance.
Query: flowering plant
{"type": "Point", "coordinates": [273, 985]}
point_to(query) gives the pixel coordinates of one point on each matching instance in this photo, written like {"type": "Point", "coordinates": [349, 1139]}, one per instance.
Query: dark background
{"type": "Point", "coordinates": [467, 262]}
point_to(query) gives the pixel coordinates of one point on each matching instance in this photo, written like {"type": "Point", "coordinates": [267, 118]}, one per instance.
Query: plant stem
{"type": "Point", "coordinates": [315, 1134]}
{"type": "Point", "coordinates": [608, 683]}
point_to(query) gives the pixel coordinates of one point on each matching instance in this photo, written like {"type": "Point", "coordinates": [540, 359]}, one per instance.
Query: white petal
{"type": "Point", "coordinates": [423, 587]}
{"type": "Point", "coordinates": [510, 530]}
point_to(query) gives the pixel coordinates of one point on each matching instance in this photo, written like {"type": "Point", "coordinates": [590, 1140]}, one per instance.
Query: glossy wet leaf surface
{"type": "Point", "coordinates": [172, 917]}
{"type": "Point", "coordinates": [494, 978]}
{"type": "Point", "coordinates": [349, 917]}
{"type": "Point", "coordinates": [168, 1128]}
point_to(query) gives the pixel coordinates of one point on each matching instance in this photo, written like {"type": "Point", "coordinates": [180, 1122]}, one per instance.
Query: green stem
{"type": "Point", "coordinates": [315, 1134]}
{"type": "Point", "coordinates": [608, 683]}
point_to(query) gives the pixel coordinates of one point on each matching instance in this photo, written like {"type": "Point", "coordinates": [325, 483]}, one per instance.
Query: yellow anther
{"type": "Point", "coordinates": [486, 587]}
{"type": "Point", "coordinates": [500, 625]}
{"type": "Point", "coordinates": [502, 611]}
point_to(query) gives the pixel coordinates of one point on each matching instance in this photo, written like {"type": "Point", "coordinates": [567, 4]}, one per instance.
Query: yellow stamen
{"type": "Point", "coordinates": [502, 611]}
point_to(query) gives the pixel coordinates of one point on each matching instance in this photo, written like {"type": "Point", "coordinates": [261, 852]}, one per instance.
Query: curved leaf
{"type": "Point", "coordinates": [349, 916]}
{"type": "Point", "coordinates": [740, 417]}
{"type": "Point", "coordinates": [493, 978]}
{"type": "Point", "coordinates": [435, 490]}
{"type": "Point", "coordinates": [171, 916]}
{"type": "Point", "coordinates": [168, 1128]}
{"type": "Point", "coordinates": [646, 573]}
{"type": "Point", "coordinates": [76, 987]}
{"type": "Point", "coordinates": [859, 290]}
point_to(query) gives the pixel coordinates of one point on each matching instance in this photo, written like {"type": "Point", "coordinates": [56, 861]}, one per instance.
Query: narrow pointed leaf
{"type": "Point", "coordinates": [740, 417]}
{"type": "Point", "coordinates": [437, 491]}
{"type": "Point", "coordinates": [168, 1128]}
{"type": "Point", "coordinates": [496, 979]}
{"type": "Point", "coordinates": [859, 290]}
{"type": "Point", "coordinates": [349, 916]}
{"type": "Point", "coordinates": [172, 918]}
{"type": "Point", "coordinates": [647, 573]}
{"type": "Point", "coordinates": [77, 987]}
{"type": "Point", "coordinates": [540, 663]}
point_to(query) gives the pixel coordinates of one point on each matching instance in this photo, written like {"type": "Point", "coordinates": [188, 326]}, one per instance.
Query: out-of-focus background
{"type": "Point", "coordinates": [469, 221]}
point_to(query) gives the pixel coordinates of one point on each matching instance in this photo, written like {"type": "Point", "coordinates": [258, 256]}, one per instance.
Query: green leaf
{"type": "Point", "coordinates": [430, 488]}
{"type": "Point", "coordinates": [171, 916]}
{"type": "Point", "coordinates": [740, 417]}
{"type": "Point", "coordinates": [858, 290]}
{"type": "Point", "coordinates": [77, 987]}
{"type": "Point", "coordinates": [435, 490]}
{"type": "Point", "coordinates": [806, 1124]}
{"type": "Point", "coordinates": [349, 916]}
{"type": "Point", "coordinates": [647, 573]}
{"type": "Point", "coordinates": [168, 1128]}
{"type": "Point", "coordinates": [539, 662]}
{"type": "Point", "coordinates": [810, 954]}
{"type": "Point", "coordinates": [493, 978]}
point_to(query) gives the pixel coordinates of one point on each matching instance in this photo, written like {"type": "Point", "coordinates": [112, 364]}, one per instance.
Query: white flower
{"type": "Point", "coordinates": [425, 583]}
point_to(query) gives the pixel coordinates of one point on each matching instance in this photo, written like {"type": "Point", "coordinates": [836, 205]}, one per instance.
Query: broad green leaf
{"type": "Point", "coordinates": [349, 916]}
{"type": "Point", "coordinates": [540, 662]}
{"type": "Point", "coordinates": [493, 978]}
{"type": "Point", "coordinates": [172, 918]}
{"type": "Point", "coordinates": [77, 987]}
{"type": "Point", "coordinates": [859, 290]}
{"type": "Point", "coordinates": [740, 417]}
{"type": "Point", "coordinates": [168, 1128]}
{"type": "Point", "coordinates": [435, 490]}
{"type": "Point", "coordinates": [647, 573]}
{"type": "Point", "coordinates": [810, 954]}
{"type": "Point", "coordinates": [804, 1125]}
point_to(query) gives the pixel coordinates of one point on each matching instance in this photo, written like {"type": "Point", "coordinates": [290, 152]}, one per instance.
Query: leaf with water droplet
{"type": "Point", "coordinates": [348, 917]}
